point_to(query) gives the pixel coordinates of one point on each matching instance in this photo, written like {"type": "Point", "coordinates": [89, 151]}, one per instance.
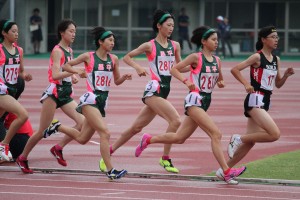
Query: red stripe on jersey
{"type": "Point", "coordinates": [256, 74]}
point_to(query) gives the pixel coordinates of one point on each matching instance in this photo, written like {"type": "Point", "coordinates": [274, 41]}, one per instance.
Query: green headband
{"type": "Point", "coordinates": [105, 34]}
{"type": "Point", "coordinates": [164, 17]}
{"type": "Point", "coordinates": [5, 24]}
{"type": "Point", "coordinates": [208, 32]}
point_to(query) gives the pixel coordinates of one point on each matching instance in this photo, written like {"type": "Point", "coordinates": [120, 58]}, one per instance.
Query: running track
{"type": "Point", "coordinates": [192, 158]}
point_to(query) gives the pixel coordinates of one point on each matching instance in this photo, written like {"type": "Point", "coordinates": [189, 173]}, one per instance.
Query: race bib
{"type": "Point", "coordinates": [11, 73]}
{"type": "Point", "coordinates": [256, 100]}
{"type": "Point", "coordinates": [193, 99]}
{"type": "Point", "coordinates": [268, 79]}
{"type": "Point", "coordinates": [102, 80]}
{"type": "Point", "coordinates": [165, 64]}
{"type": "Point", "coordinates": [87, 98]}
{"type": "Point", "coordinates": [208, 82]}
{"type": "Point", "coordinates": [152, 86]}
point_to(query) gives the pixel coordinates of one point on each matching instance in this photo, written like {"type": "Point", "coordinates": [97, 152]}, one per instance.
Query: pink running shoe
{"type": "Point", "coordinates": [23, 164]}
{"type": "Point", "coordinates": [232, 174]}
{"type": "Point", "coordinates": [58, 155]}
{"type": "Point", "coordinates": [143, 145]}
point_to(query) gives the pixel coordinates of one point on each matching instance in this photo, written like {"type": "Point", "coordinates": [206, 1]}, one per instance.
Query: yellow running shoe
{"type": "Point", "coordinates": [167, 164]}
{"type": "Point", "coordinates": [102, 165]}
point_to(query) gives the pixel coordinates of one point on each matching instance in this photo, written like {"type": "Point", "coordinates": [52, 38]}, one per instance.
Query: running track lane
{"type": "Point", "coordinates": [15, 185]}
{"type": "Point", "coordinates": [192, 158]}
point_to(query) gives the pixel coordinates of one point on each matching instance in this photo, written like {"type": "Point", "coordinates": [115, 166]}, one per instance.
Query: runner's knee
{"type": "Point", "coordinates": [175, 123]}
{"type": "Point", "coordinates": [78, 126]}
{"type": "Point", "coordinates": [275, 135]}
{"type": "Point", "coordinates": [23, 117]}
{"type": "Point", "coordinates": [180, 140]}
{"type": "Point", "coordinates": [82, 140]}
{"type": "Point", "coordinates": [104, 135]}
{"type": "Point", "coordinates": [216, 135]}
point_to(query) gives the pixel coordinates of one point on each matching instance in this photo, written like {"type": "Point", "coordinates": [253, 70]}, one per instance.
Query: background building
{"type": "Point", "coordinates": [131, 20]}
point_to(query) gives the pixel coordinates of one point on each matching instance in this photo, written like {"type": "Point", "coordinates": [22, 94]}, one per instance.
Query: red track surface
{"type": "Point", "coordinates": [192, 158]}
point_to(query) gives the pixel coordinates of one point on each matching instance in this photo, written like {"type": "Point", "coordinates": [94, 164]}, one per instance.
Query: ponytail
{"type": "Point", "coordinates": [259, 45]}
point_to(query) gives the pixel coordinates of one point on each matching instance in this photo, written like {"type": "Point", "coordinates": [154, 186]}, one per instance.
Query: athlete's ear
{"type": "Point", "coordinates": [100, 42]}
{"type": "Point", "coordinates": [203, 41]}
{"type": "Point", "coordinates": [158, 25]}
{"type": "Point", "coordinates": [3, 33]}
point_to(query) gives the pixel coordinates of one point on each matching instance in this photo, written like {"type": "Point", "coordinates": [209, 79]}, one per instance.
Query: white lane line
{"type": "Point", "coordinates": [93, 142]}
{"type": "Point", "coordinates": [79, 196]}
{"type": "Point", "coordinates": [279, 190]}
{"type": "Point", "coordinates": [154, 192]}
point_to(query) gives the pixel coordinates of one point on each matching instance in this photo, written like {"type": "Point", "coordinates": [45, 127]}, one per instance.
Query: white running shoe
{"type": "Point", "coordinates": [5, 153]}
{"type": "Point", "coordinates": [233, 145]}
{"type": "Point", "coordinates": [220, 174]}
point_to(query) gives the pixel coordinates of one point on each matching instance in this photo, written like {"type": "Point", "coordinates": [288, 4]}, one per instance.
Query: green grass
{"type": "Point", "coordinates": [281, 166]}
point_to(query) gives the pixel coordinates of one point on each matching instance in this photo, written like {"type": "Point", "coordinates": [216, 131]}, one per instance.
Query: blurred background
{"type": "Point", "coordinates": [131, 21]}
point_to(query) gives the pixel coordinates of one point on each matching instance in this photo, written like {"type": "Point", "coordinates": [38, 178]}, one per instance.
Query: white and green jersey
{"type": "Point", "coordinates": [99, 72]}
{"type": "Point", "coordinates": [161, 60]}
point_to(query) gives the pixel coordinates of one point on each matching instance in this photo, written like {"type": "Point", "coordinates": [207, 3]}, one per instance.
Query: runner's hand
{"type": "Point", "coordinates": [127, 76]}
{"type": "Point", "coordinates": [221, 84]}
{"type": "Point", "coordinates": [74, 79]}
{"type": "Point", "coordinates": [28, 77]}
{"type": "Point", "coordinates": [190, 85]}
{"type": "Point", "coordinates": [289, 72]}
{"type": "Point", "coordinates": [82, 73]}
{"type": "Point", "coordinates": [141, 72]}
{"type": "Point", "coordinates": [249, 88]}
